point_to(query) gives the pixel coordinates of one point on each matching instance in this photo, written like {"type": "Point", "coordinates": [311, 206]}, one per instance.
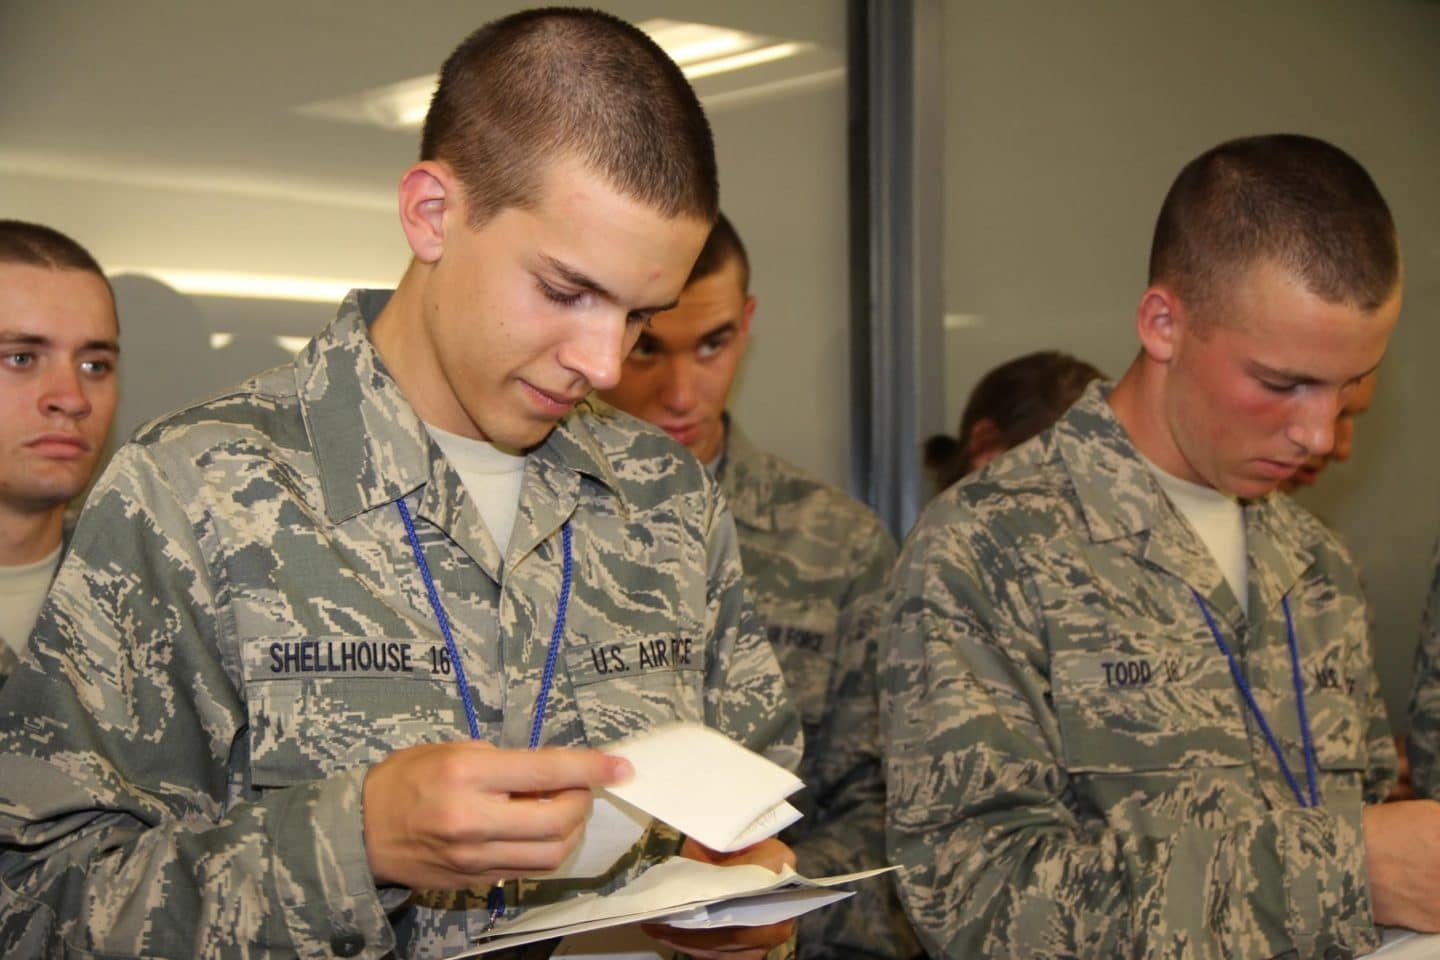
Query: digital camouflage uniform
{"type": "Point", "coordinates": [1424, 740]}
{"type": "Point", "coordinates": [812, 557]}
{"type": "Point", "coordinates": [240, 629]}
{"type": "Point", "coordinates": [1072, 770]}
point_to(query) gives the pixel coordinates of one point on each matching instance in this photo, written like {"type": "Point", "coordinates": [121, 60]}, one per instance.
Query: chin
{"type": "Point", "coordinates": [525, 437]}
{"type": "Point", "coordinates": [1253, 488]}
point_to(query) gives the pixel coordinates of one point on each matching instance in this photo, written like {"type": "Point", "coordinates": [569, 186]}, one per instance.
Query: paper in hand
{"type": "Point", "coordinates": [697, 780]}
{"type": "Point", "coordinates": [707, 786]}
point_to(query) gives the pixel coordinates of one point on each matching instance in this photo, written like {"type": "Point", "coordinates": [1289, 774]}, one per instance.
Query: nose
{"type": "Point", "coordinates": [596, 351]}
{"type": "Point", "coordinates": [678, 395]}
{"type": "Point", "coordinates": [64, 393]}
{"type": "Point", "coordinates": [1313, 429]}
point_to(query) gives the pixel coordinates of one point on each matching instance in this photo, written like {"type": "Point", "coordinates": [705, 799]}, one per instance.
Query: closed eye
{"type": "Point", "coordinates": [555, 295]}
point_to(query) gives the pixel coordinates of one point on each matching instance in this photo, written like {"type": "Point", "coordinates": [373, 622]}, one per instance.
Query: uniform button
{"type": "Point", "coordinates": [350, 944]}
{"type": "Point", "coordinates": [1337, 952]}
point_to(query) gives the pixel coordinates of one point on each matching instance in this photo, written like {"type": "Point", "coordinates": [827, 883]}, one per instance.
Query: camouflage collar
{"type": "Point", "coordinates": [371, 448]}
{"type": "Point", "coordinates": [748, 486]}
{"type": "Point", "coordinates": [1120, 498]}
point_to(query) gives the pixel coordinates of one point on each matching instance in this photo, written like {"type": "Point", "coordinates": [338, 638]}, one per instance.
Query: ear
{"type": "Point", "coordinates": [747, 314]}
{"type": "Point", "coordinates": [1158, 321]}
{"type": "Point", "coordinates": [426, 191]}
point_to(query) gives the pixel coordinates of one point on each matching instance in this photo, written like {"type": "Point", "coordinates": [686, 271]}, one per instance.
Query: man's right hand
{"type": "Point", "coordinates": [450, 816]}
{"type": "Point", "coordinates": [1402, 856]}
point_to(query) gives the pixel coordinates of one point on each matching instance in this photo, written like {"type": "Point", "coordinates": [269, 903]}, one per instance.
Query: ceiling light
{"type": "Point", "coordinates": [252, 286]}
{"type": "Point", "coordinates": [739, 61]}
{"type": "Point", "coordinates": [688, 43]}
{"type": "Point", "coordinates": [700, 50]}
{"type": "Point", "coordinates": [292, 344]}
{"type": "Point", "coordinates": [219, 341]}
{"type": "Point", "coordinates": [395, 106]}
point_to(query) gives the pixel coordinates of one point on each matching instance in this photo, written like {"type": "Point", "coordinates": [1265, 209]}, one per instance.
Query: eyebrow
{"type": "Point", "coordinates": [575, 278]}
{"type": "Point", "coordinates": [729, 326]}
{"type": "Point", "coordinates": [1303, 379]}
{"type": "Point", "coordinates": [14, 338]}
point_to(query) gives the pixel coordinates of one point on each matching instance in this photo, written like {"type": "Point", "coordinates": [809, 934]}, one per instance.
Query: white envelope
{"type": "Point", "coordinates": [687, 891]}
{"type": "Point", "coordinates": [697, 780]}
{"type": "Point", "coordinates": [707, 786]}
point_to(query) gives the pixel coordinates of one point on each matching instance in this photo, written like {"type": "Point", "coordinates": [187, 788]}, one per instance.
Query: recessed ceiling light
{"type": "Point", "coordinates": [395, 106]}
{"type": "Point", "coordinates": [690, 43]}
{"type": "Point", "coordinates": [750, 58]}
{"type": "Point", "coordinates": [251, 286]}
{"type": "Point", "coordinates": [700, 50]}
{"type": "Point", "coordinates": [292, 344]}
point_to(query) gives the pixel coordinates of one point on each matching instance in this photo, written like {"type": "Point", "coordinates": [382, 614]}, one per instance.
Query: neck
{"type": "Point", "coordinates": [1138, 402]}
{"type": "Point", "coordinates": [409, 355]}
{"type": "Point", "coordinates": [30, 536]}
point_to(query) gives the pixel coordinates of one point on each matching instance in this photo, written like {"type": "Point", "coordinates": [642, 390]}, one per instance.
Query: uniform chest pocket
{"type": "Point", "coordinates": [1147, 704]}
{"type": "Point", "coordinates": [1338, 729]}
{"type": "Point", "coordinates": [320, 705]}
{"type": "Point", "coordinates": [630, 683]}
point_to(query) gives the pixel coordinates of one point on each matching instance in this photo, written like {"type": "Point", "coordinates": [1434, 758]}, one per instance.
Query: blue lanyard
{"type": "Point", "coordinates": [496, 900]}
{"type": "Point", "coordinates": [1244, 687]}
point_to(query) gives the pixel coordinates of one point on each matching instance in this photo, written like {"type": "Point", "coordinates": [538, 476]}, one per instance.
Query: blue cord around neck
{"type": "Point", "coordinates": [546, 681]}
{"type": "Point", "coordinates": [495, 902]}
{"type": "Point", "coordinates": [1244, 686]}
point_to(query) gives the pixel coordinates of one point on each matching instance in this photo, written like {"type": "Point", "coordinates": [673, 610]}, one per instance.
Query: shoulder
{"type": "Point", "coordinates": [796, 489]}
{"type": "Point", "coordinates": [264, 409]}
{"type": "Point", "coordinates": [648, 467]}
{"type": "Point", "coordinates": [1026, 493]}
{"type": "Point", "coordinates": [770, 493]}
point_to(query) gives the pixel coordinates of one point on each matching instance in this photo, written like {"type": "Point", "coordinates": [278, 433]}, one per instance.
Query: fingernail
{"type": "Point", "coordinates": [621, 770]}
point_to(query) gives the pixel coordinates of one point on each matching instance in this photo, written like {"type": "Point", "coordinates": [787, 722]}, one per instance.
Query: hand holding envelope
{"type": "Point", "coordinates": [697, 780]}
{"type": "Point", "coordinates": [724, 799]}
{"type": "Point", "coordinates": [740, 940]}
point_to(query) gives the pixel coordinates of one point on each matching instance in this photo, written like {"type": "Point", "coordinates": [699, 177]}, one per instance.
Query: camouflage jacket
{"type": "Point", "coordinates": [1072, 770]}
{"type": "Point", "coordinates": [812, 556]}
{"type": "Point", "coordinates": [1424, 740]}
{"type": "Point", "coordinates": [240, 630]}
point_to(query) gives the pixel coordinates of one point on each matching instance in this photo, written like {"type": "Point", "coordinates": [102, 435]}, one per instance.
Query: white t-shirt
{"type": "Point", "coordinates": [1219, 520]}
{"type": "Point", "coordinates": [492, 477]}
{"type": "Point", "coordinates": [22, 593]}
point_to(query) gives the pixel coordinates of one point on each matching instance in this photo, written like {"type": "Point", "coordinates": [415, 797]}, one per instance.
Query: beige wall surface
{"type": "Point", "coordinates": [167, 136]}
{"type": "Point", "coordinates": [1065, 124]}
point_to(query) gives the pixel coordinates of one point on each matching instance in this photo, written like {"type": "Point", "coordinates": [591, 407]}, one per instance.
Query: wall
{"type": "Point", "coordinates": [1065, 124]}
{"type": "Point", "coordinates": [178, 146]}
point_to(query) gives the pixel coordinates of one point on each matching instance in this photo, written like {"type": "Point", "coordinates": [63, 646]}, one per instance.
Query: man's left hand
{"type": "Point", "coordinates": [730, 943]}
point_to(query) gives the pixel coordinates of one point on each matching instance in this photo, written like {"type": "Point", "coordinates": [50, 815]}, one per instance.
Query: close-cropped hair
{"type": "Point", "coordinates": [1295, 201]}
{"type": "Point", "coordinates": [41, 246]}
{"type": "Point", "coordinates": [565, 83]}
{"type": "Point", "coordinates": [1021, 397]}
{"type": "Point", "coordinates": [721, 247]}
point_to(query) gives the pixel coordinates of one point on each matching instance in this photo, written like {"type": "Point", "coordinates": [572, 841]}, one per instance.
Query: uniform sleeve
{"type": "Point", "coordinates": [848, 832]}
{"type": "Point", "coordinates": [118, 836]}
{"type": "Point", "coordinates": [745, 694]}
{"type": "Point", "coordinates": [998, 860]}
{"type": "Point", "coordinates": [1382, 763]}
{"type": "Point", "coordinates": [1424, 743]}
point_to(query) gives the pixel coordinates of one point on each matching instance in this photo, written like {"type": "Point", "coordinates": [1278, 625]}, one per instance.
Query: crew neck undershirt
{"type": "Point", "coordinates": [1220, 522]}
{"type": "Point", "coordinates": [22, 594]}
